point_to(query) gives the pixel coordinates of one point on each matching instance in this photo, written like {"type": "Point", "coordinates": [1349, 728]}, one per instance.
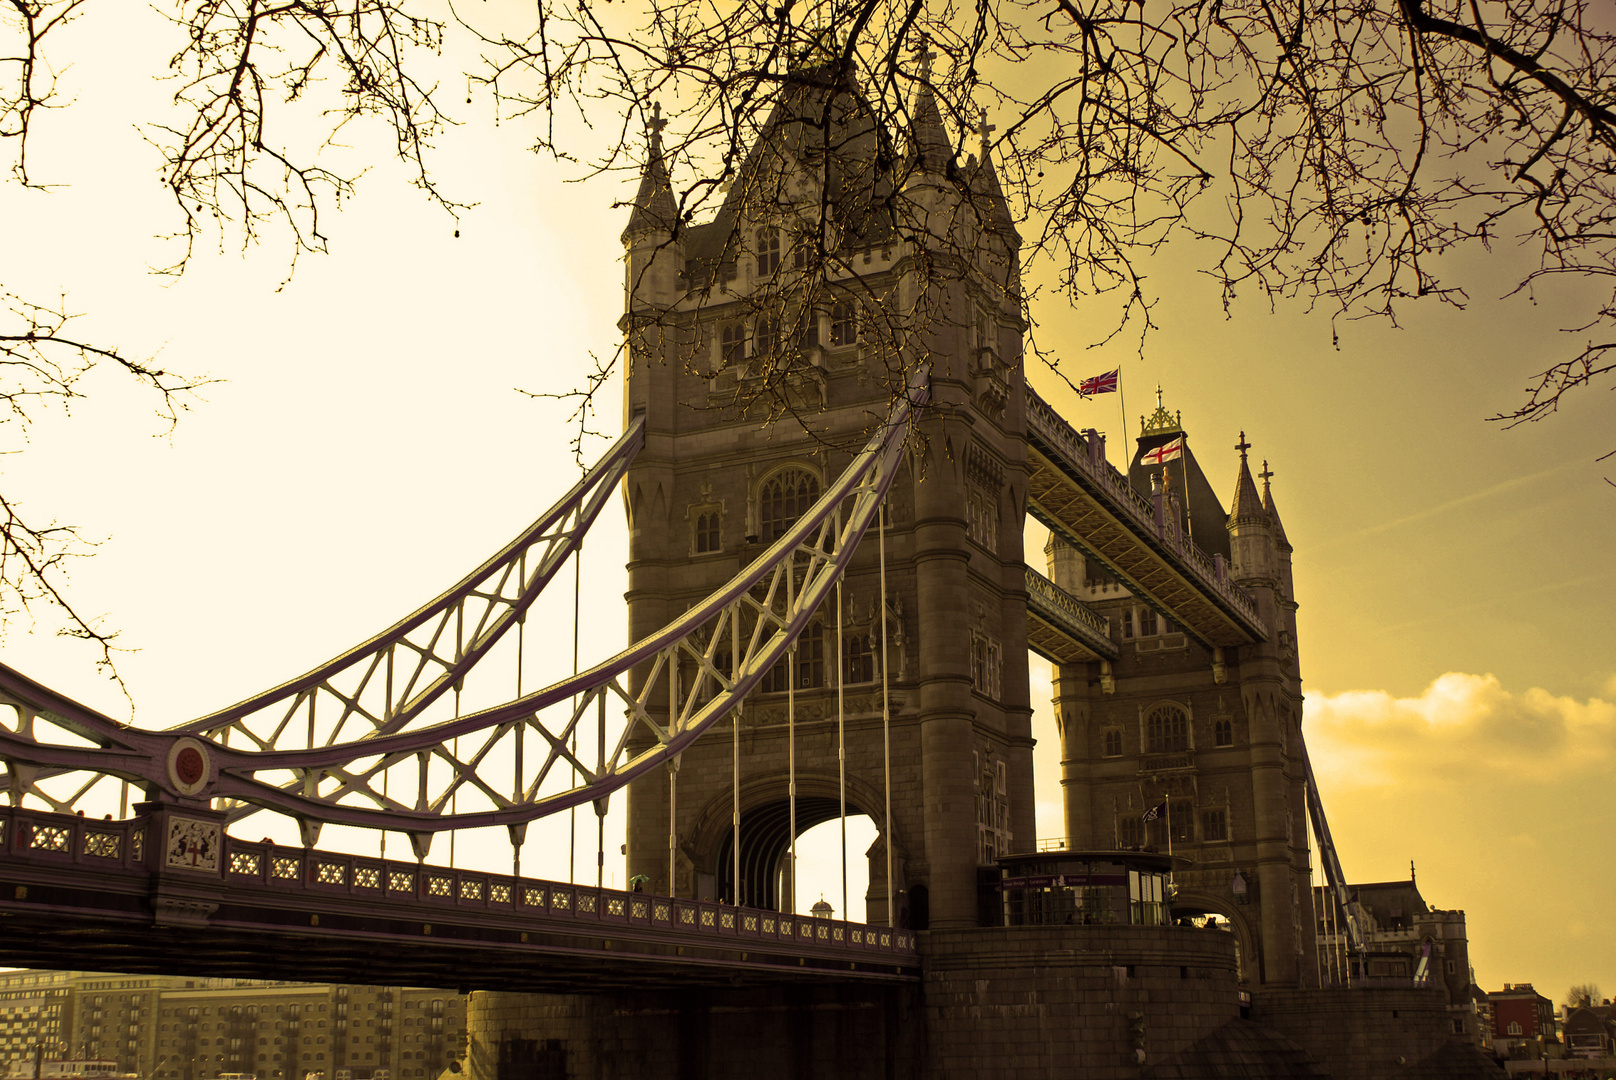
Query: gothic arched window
{"type": "Point", "coordinates": [1167, 730]}
{"type": "Point", "coordinates": [731, 344]}
{"type": "Point", "coordinates": [768, 251]}
{"type": "Point", "coordinates": [767, 339]}
{"type": "Point", "coordinates": [1223, 733]}
{"type": "Point", "coordinates": [860, 659]}
{"type": "Point", "coordinates": [810, 663]}
{"type": "Point", "coordinates": [843, 324]}
{"type": "Point", "coordinates": [785, 497]}
{"type": "Point", "coordinates": [707, 532]}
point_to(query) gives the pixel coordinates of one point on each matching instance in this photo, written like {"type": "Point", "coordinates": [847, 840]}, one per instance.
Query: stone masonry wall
{"type": "Point", "coordinates": [793, 1033]}
{"type": "Point", "coordinates": [1024, 1002]}
{"type": "Point", "coordinates": [1362, 1033]}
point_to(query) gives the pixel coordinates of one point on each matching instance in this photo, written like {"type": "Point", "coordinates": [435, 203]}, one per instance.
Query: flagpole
{"type": "Point", "coordinates": [1184, 471]}
{"type": "Point", "coordinates": [1122, 400]}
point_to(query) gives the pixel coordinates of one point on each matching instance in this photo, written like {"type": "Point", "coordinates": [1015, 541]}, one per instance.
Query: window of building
{"type": "Point", "coordinates": [1181, 822]}
{"type": "Point", "coordinates": [1167, 730]}
{"type": "Point", "coordinates": [707, 532]}
{"type": "Point", "coordinates": [810, 663]}
{"type": "Point", "coordinates": [1214, 825]}
{"type": "Point", "coordinates": [843, 324]}
{"type": "Point", "coordinates": [766, 341]}
{"type": "Point", "coordinates": [982, 520]}
{"type": "Point", "coordinates": [1111, 742]}
{"type": "Point", "coordinates": [801, 245]}
{"type": "Point", "coordinates": [1223, 732]}
{"type": "Point", "coordinates": [860, 659]}
{"type": "Point", "coordinates": [784, 499]}
{"type": "Point", "coordinates": [1130, 831]}
{"type": "Point", "coordinates": [807, 330]}
{"type": "Point", "coordinates": [731, 344]}
{"type": "Point", "coordinates": [1147, 622]}
{"type": "Point", "coordinates": [985, 665]}
{"type": "Point", "coordinates": [768, 251]}
{"type": "Point", "coordinates": [1514, 1027]}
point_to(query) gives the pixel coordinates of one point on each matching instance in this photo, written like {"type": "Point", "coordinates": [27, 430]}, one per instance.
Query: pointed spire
{"type": "Point", "coordinates": [985, 182]}
{"type": "Point", "coordinates": [1267, 474]}
{"type": "Point", "coordinates": [1247, 504]}
{"type": "Point", "coordinates": [654, 207]}
{"type": "Point", "coordinates": [932, 149]}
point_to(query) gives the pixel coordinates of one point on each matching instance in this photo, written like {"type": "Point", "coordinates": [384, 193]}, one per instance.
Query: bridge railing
{"type": "Point", "coordinates": [65, 839]}
{"type": "Point", "coordinates": [1067, 605]}
{"type": "Point", "coordinates": [119, 848]}
{"type": "Point", "coordinates": [273, 867]}
{"type": "Point", "coordinates": [1082, 458]}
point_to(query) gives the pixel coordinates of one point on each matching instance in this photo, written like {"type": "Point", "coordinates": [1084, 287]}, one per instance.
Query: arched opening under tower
{"type": "Point", "coordinates": [765, 845]}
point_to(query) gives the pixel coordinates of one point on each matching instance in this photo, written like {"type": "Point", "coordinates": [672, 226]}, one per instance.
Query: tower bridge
{"type": "Point", "coordinates": [831, 614]}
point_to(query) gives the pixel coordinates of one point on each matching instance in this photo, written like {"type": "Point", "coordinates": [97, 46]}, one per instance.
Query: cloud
{"type": "Point", "coordinates": [1463, 729]}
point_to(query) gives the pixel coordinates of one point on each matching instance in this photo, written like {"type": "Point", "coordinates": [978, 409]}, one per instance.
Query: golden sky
{"type": "Point", "coordinates": [365, 446]}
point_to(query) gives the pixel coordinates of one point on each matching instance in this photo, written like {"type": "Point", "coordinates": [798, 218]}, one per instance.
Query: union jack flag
{"type": "Point", "coordinates": [1099, 384]}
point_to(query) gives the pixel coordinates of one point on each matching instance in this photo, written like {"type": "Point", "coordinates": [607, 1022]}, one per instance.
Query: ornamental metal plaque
{"type": "Point", "coordinates": [193, 844]}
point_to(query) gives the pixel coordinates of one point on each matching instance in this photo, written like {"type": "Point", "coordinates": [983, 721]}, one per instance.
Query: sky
{"type": "Point", "coordinates": [366, 442]}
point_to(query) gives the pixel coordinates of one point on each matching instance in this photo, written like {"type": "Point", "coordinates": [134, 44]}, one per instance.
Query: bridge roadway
{"type": "Point", "coordinates": [104, 895]}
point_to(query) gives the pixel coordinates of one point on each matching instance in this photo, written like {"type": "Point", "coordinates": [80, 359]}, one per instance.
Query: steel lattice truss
{"type": "Point", "coordinates": [348, 742]}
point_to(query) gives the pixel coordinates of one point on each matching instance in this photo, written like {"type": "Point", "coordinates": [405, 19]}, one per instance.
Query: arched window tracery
{"type": "Point", "coordinates": [783, 498]}
{"type": "Point", "coordinates": [1167, 730]}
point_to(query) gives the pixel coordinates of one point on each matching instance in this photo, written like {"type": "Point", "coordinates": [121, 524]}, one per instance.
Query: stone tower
{"type": "Point", "coordinates": [762, 346]}
{"type": "Point", "coordinates": [1210, 736]}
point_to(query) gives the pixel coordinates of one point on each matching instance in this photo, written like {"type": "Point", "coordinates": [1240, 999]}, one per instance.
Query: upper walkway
{"type": "Point", "coordinates": [1089, 504]}
{"type": "Point", "coordinates": [169, 893]}
{"type": "Point", "coordinates": [1063, 629]}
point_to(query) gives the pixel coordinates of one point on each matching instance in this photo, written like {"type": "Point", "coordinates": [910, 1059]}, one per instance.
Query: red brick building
{"type": "Point", "coordinates": [1522, 1018]}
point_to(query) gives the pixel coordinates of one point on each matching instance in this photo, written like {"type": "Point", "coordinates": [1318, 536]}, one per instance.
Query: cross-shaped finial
{"type": "Point", "coordinates": [1242, 446]}
{"type": "Point", "coordinates": [927, 55]}
{"type": "Point", "coordinates": [1158, 395]}
{"type": "Point", "coordinates": [656, 123]}
{"type": "Point", "coordinates": [1266, 474]}
{"type": "Point", "coordinates": [985, 129]}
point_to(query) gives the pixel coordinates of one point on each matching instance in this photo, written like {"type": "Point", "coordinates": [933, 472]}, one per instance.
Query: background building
{"type": "Point", "coordinates": [1523, 1021]}
{"type": "Point", "coordinates": [167, 1028]}
{"type": "Point", "coordinates": [33, 1013]}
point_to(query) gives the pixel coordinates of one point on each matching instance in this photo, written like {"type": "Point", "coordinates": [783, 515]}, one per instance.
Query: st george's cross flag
{"type": "Point", "coordinates": [1164, 453]}
{"type": "Point", "coordinates": [1099, 384]}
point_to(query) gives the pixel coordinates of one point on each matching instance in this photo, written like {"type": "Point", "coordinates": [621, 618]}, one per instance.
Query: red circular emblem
{"type": "Point", "coordinates": [189, 766]}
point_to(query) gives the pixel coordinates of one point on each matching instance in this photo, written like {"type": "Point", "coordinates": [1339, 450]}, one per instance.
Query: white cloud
{"type": "Point", "coordinates": [1461, 729]}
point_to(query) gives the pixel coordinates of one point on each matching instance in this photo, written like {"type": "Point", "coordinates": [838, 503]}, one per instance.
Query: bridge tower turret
{"type": "Point", "coordinates": [1270, 692]}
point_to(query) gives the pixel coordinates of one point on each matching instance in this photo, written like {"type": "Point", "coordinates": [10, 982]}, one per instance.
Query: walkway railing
{"type": "Point", "coordinates": [1059, 607]}
{"type": "Point", "coordinates": [121, 849]}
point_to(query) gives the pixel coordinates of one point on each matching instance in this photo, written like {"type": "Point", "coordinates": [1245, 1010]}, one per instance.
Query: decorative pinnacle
{"type": "Point", "coordinates": [985, 129]}
{"type": "Point", "coordinates": [656, 123]}
{"type": "Point", "coordinates": [1161, 421]}
{"type": "Point", "coordinates": [1266, 475]}
{"type": "Point", "coordinates": [1242, 446]}
{"type": "Point", "coordinates": [926, 54]}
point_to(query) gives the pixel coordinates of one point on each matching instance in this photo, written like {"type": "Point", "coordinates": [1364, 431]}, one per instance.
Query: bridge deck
{"type": "Point", "coordinates": [97, 895]}
{"type": "Point", "coordinates": [1063, 629]}
{"type": "Point", "coordinates": [1091, 506]}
